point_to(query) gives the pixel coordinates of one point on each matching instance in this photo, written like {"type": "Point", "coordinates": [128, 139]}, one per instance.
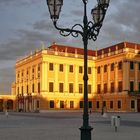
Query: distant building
{"type": "Point", "coordinates": [7, 102]}
{"type": "Point", "coordinates": [52, 78]}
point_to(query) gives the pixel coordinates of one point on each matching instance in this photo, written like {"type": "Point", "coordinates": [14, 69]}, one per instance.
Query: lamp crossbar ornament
{"type": "Point", "coordinates": [88, 30]}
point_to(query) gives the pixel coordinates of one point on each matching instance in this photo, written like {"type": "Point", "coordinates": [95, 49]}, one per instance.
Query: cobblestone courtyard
{"type": "Point", "coordinates": [64, 126]}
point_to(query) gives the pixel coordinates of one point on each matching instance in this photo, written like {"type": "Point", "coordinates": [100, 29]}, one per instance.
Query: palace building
{"type": "Point", "coordinates": [7, 102]}
{"type": "Point", "coordinates": [52, 78]}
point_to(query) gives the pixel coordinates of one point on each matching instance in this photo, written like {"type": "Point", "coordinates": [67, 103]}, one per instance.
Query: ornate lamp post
{"type": "Point", "coordinates": [89, 30]}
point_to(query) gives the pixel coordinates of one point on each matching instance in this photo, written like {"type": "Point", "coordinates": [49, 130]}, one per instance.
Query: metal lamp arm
{"type": "Point", "coordinates": [66, 31]}
{"type": "Point", "coordinates": [93, 30]}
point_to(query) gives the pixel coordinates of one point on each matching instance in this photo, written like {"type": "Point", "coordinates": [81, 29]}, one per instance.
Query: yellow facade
{"type": "Point", "coordinates": [7, 102]}
{"type": "Point", "coordinates": [52, 78]}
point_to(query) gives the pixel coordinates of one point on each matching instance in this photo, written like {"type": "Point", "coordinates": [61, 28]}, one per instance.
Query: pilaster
{"type": "Point", "coordinates": [44, 76]}
{"type": "Point", "coordinates": [126, 75]}
{"type": "Point", "coordinates": [56, 84]}
{"type": "Point", "coordinates": [116, 77]}
{"type": "Point", "coordinates": [66, 78]}
{"type": "Point", "coordinates": [76, 79]}
{"type": "Point", "coordinates": [102, 78]}
{"type": "Point", "coordinates": [136, 76]}
{"type": "Point", "coordinates": [108, 76]}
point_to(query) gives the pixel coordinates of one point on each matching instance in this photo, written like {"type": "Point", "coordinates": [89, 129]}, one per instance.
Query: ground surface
{"type": "Point", "coordinates": [64, 125]}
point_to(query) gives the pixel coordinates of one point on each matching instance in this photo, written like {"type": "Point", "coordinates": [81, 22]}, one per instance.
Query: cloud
{"type": "Point", "coordinates": [18, 2]}
{"type": "Point", "coordinates": [121, 23]}
{"type": "Point", "coordinates": [43, 25]}
{"type": "Point", "coordinates": [6, 76]}
{"type": "Point", "coordinates": [27, 41]}
{"type": "Point", "coordinates": [13, 2]}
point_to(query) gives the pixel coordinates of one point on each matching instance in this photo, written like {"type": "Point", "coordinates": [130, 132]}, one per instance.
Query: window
{"type": "Point", "coordinates": [131, 65]}
{"type": "Point", "coordinates": [120, 86]}
{"type": "Point", "coordinates": [22, 74]}
{"type": "Point", "coordinates": [119, 104]}
{"type": "Point", "coordinates": [39, 87]}
{"type": "Point", "coordinates": [38, 74]}
{"type": "Point", "coordinates": [111, 104]}
{"type": "Point", "coordinates": [90, 104]}
{"type": "Point", "coordinates": [33, 88]}
{"type": "Point", "coordinates": [22, 90]}
{"type": "Point", "coordinates": [61, 67]}
{"type": "Point", "coordinates": [80, 88]}
{"type": "Point", "coordinates": [61, 104]}
{"type": "Point", "coordinates": [139, 86]}
{"type": "Point", "coordinates": [97, 104]}
{"type": "Point", "coordinates": [89, 70]}
{"type": "Point", "coordinates": [112, 67]}
{"type": "Point", "coordinates": [38, 67]}
{"type": "Point", "coordinates": [105, 68]}
{"type": "Point", "coordinates": [81, 104]}
{"type": "Point", "coordinates": [27, 72]}
{"type": "Point", "coordinates": [18, 74]}
{"type": "Point", "coordinates": [37, 104]}
{"type": "Point", "coordinates": [104, 103]}
{"type": "Point", "coordinates": [105, 88]}
{"type": "Point", "coordinates": [51, 103]}
{"type": "Point", "coordinates": [131, 86]}
{"type": "Point", "coordinates": [120, 65]}
{"type": "Point", "coordinates": [50, 86]}
{"type": "Point", "coordinates": [61, 87]}
{"type": "Point", "coordinates": [71, 68]}
{"type": "Point", "coordinates": [132, 104]}
{"type": "Point", "coordinates": [33, 70]}
{"type": "Point", "coordinates": [98, 70]}
{"type": "Point", "coordinates": [98, 88]}
{"type": "Point", "coordinates": [89, 88]}
{"type": "Point", "coordinates": [32, 76]}
{"type": "Point", "coordinates": [80, 69]}
{"type": "Point", "coordinates": [18, 90]}
{"type": "Point", "coordinates": [27, 89]}
{"type": "Point", "coordinates": [71, 104]}
{"type": "Point", "coordinates": [51, 66]}
{"type": "Point", "coordinates": [70, 87]}
{"type": "Point", "coordinates": [112, 87]}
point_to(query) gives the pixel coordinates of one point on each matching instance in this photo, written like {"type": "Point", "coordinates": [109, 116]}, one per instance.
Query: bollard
{"type": "Point", "coordinates": [6, 113]}
{"type": "Point", "coordinates": [115, 121]}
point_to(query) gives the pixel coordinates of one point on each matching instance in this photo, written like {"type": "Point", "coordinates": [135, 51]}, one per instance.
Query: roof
{"type": "Point", "coordinates": [119, 46]}
{"type": "Point", "coordinates": [69, 49]}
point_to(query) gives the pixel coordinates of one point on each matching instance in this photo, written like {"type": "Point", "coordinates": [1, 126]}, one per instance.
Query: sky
{"type": "Point", "coordinates": [26, 24]}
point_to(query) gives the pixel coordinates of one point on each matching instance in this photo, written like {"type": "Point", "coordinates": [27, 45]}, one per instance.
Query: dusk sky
{"type": "Point", "coordinates": [25, 24]}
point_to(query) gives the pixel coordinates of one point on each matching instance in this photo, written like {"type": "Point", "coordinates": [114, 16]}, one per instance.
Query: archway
{"type": "Point", "coordinates": [10, 105]}
{"type": "Point", "coordinates": [1, 104]}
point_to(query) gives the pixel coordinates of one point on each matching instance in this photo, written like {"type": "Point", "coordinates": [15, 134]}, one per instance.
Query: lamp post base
{"type": "Point", "coordinates": [85, 133]}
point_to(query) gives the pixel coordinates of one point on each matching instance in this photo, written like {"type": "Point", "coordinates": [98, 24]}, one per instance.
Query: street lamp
{"type": "Point", "coordinates": [89, 30]}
